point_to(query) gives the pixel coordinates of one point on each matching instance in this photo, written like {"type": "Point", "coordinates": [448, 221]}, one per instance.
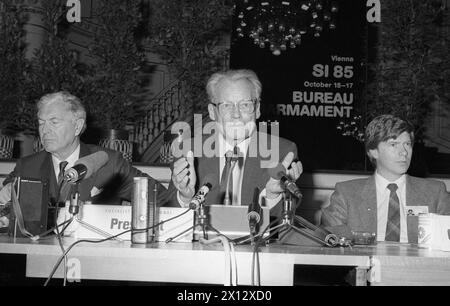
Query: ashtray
{"type": "Point", "coordinates": [364, 238]}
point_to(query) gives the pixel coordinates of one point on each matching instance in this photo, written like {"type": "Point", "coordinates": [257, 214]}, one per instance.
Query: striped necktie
{"type": "Point", "coordinates": [62, 167]}
{"type": "Point", "coordinates": [63, 187]}
{"type": "Point", "coordinates": [223, 180]}
{"type": "Point", "coordinates": [393, 221]}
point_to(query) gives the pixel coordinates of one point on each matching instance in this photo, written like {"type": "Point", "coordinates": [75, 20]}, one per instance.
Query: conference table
{"type": "Point", "coordinates": [197, 263]}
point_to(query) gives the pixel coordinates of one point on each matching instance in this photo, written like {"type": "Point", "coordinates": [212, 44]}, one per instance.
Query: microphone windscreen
{"type": "Point", "coordinates": [277, 172]}
{"type": "Point", "coordinates": [93, 162]}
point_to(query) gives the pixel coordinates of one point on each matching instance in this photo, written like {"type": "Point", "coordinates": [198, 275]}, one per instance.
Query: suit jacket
{"type": "Point", "coordinates": [254, 175]}
{"type": "Point", "coordinates": [111, 184]}
{"type": "Point", "coordinates": [353, 204]}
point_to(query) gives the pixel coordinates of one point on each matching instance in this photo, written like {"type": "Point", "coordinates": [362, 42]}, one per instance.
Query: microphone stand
{"type": "Point", "coordinates": [290, 221]}
{"type": "Point", "coordinates": [200, 219]}
{"type": "Point", "coordinates": [74, 206]}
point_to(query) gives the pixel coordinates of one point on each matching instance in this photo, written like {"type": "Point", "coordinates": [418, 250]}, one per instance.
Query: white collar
{"type": "Point", "coordinates": [382, 182]}
{"type": "Point", "coordinates": [70, 160]}
{"type": "Point", "coordinates": [225, 146]}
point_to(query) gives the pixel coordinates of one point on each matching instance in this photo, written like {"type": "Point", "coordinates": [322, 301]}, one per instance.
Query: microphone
{"type": "Point", "coordinates": [278, 173]}
{"type": "Point", "coordinates": [254, 212]}
{"type": "Point", "coordinates": [200, 197]}
{"type": "Point", "coordinates": [86, 166]}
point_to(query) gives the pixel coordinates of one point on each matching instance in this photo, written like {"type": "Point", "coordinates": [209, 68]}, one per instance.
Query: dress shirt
{"type": "Point", "coordinates": [70, 161]}
{"type": "Point", "coordinates": [383, 194]}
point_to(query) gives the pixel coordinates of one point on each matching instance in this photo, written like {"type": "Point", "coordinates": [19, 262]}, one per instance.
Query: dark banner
{"type": "Point", "coordinates": [313, 87]}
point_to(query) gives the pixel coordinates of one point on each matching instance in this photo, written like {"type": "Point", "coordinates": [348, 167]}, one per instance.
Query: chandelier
{"type": "Point", "coordinates": [282, 24]}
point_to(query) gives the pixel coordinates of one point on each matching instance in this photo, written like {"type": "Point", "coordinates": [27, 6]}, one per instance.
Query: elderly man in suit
{"type": "Point", "coordinates": [62, 119]}
{"type": "Point", "coordinates": [380, 203]}
{"type": "Point", "coordinates": [234, 108]}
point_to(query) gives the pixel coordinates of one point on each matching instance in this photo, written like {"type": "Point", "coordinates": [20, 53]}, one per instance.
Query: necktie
{"type": "Point", "coordinates": [223, 181]}
{"type": "Point", "coordinates": [393, 221]}
{"type": "Point", "coordinates": [64, 189]}
{"type": "Point", "coordinates": [62, 166]}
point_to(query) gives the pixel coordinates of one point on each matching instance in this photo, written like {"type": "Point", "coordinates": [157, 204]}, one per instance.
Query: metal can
{"type": "Point", "coordinates": [139, 210]}
{"type": "Point", "coordinates": [424, 231]}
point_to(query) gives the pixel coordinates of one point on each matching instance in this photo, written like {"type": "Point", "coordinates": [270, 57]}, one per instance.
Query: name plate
{"type": "Point", "coordinates": [440, 232]}
{"type": "Point", "coordinates": [102, 221]}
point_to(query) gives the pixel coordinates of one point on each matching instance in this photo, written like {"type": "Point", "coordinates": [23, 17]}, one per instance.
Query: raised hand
{"type": "Point", "coordinates": [184, 176]}
{"type": "Point", "coordinates": [293, 171]}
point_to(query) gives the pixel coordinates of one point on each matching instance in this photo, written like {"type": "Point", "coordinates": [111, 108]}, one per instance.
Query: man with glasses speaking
{"type": "Point", "coordinates": [237, 157]}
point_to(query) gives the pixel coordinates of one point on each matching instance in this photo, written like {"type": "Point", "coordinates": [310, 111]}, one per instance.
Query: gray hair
{"type": "Point", "coordinates": [74, 104]}
{"type": "Point", "coordinates": [233, 75]}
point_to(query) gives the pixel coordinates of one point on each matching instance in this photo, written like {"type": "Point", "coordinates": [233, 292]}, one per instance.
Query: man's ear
{"type": "Point", "coordinates": [373, 153]}
{"type": "Point", "coordinates": [211, 111]}
{"type": "Point", "coordinates": [79, 123]}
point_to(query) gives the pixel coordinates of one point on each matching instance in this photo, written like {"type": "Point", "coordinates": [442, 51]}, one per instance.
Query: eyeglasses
{"type": "Point", "coordinates": [245, 106]}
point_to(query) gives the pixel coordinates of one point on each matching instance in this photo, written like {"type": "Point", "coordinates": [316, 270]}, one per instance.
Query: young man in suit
{"type": "Point", "coordinates": [234, 108]}
{"type": "Point", "coordinates": [380, 203]}
{"type": "Point", "coordinates": [62, 120]}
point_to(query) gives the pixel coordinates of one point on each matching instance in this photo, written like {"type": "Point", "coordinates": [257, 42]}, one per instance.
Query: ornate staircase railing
{"type": "Point", "coordinates": [166, 108]}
